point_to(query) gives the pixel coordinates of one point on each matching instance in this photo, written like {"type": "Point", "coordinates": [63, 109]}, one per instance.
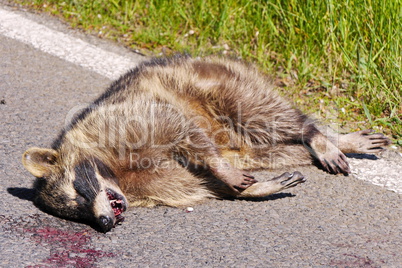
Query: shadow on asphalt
{"type": "Point", "coordinates": [22, 193]}
{"type": "Point", "coordinates": [269, 197]}
{"type": "Point", "coordinates": [363, 156]}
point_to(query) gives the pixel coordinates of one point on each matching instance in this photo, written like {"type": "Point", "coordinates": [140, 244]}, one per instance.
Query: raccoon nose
{"type": "Point", "coordinates": [106, 223]}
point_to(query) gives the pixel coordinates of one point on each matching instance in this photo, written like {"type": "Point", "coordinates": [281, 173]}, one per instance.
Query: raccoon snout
{"type": "Point", "coordinates": [106, 223]}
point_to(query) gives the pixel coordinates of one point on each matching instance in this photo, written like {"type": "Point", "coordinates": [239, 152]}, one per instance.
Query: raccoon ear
{"type": "Point", "coordinates": [39, 161]}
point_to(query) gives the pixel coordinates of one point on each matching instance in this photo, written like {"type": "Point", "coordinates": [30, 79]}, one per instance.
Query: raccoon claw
{"type": "Point", "coordinates": [236, 179]}
{"type": "Point", "coordinates": [247, 181]}
{"type": "Point", "coordinates": [364, 141]}
{"type": "Point", "coordinates": [289, 180]}
{"type": "Point", "coordinates": [369, 142]}
{"type": "Point", "coordinates": [336, 166]}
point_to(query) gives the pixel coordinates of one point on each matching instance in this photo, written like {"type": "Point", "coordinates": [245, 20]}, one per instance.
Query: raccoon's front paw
{"type": "Point", "coordinates": [288, 180]}
{"type": "Point", "coordinates": [274, 185]}
{"type": "Point", "coordinates": [245, 181]}
{"type": "Point", "coordinates": [237, 180]}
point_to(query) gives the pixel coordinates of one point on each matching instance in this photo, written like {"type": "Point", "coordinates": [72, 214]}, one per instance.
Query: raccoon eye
{"type": "Point", "coordinates": [86, 183]}
{"type": "Point", "coordinates": [81, 200]}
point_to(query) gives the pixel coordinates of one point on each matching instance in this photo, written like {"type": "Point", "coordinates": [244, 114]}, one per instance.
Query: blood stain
{"type": "Point", "coordinates": [67, 248]}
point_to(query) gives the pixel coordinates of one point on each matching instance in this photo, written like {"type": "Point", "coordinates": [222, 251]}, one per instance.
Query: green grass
{"type": "Point", "coordinates": [339, 59]}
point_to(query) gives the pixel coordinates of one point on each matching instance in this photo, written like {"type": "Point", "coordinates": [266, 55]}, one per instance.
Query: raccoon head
{"type": "Point", "coordinates": [85, 191]}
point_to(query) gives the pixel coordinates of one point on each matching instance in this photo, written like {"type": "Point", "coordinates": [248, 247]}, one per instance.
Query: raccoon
{"type": "Point", "coordinates": [176, 131]}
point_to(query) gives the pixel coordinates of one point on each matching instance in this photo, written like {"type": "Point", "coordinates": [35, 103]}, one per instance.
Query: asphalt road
{"type": "Point", "coordinates": [329, 221]}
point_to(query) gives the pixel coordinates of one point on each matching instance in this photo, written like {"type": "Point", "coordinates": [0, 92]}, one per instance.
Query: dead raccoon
{"type": "Point", "coordinates": [175, 131]}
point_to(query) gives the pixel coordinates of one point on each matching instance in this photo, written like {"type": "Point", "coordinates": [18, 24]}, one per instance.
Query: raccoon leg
{"type": "Point", "coordinates": [359, 142]}
{"type": "Point", "coordinates": [284, 181]}
{"type": "Point", "coordinates": [260, 116]}
{"type": "Point", "coordinates": [329, 156]}
{"type": "Point", "coordinates": [199, 148]}
{"type": "Point", "coordinates": [236, 179]}
{"type": "Point", "coordinates": [363, 141]}
{"type": "Point", "coordinates": [220, 167]}
{"type": "Point", "coordinates": [287, 134]}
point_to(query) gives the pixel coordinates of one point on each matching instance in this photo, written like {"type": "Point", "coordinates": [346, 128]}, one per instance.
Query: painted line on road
{"type": "Point", "coordinates": [61, 45]}
{"type": "Point", "coordinates": [380, 172]}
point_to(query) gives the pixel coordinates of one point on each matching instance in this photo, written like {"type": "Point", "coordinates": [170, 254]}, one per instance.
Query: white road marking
{"type": "Point", "coordinates": [63, 46]}
{"type": "Point", "coordinates": [111, 65]}
{"type": "Point", "coordinates": [380, 172]}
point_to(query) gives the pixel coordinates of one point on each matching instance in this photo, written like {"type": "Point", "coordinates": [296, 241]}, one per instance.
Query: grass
{"type": "Point", "coordinates": [338, 59]}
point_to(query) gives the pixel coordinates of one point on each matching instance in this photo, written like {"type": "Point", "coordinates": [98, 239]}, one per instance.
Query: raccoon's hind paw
{"type": "Point", "coordinates": [364, 141]}
{"type": "Point", "coordinates": [329, 156]}
{"type": "Point", "coordinates": [335, 162]}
